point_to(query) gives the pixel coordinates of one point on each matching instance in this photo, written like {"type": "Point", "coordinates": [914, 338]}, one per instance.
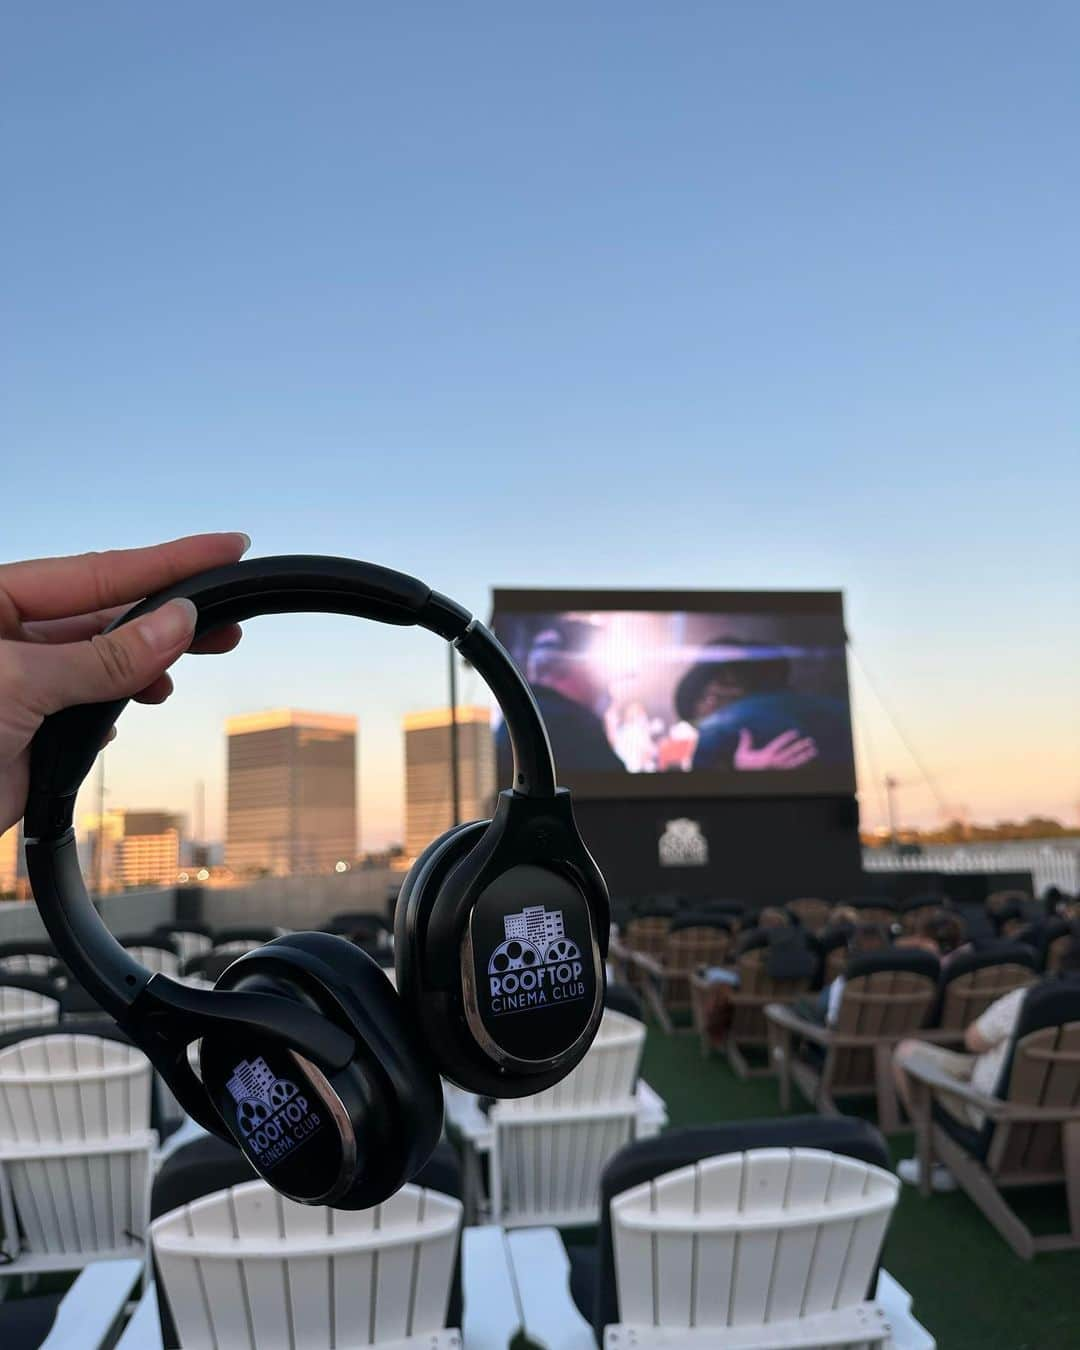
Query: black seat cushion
{"type": "Point", "coordinates": [25, 1322]}
{"type": "Point", "coordinates": [934, 899]}
{"type": "Point", "coordinates": [210, 965]}
{"type": "Point", "coordinates": [209, 1164]}
{"type": "Point", "coordinates": [722, 922]}
{"type": "Point", "coordinates": [258, 932]}
{"type": "Point", "coordinates": [621, 998]}
{"type": "Point", "coordinates": [910, 960]}
{"type": "Point", "coordinates": [592, 1279]}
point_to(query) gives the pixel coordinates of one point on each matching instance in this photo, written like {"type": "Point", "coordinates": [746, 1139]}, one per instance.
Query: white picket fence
{"type": "Point", "coordinates": [1049, 864]}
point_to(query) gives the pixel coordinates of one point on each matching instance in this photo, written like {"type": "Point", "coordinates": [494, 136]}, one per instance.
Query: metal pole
{"type": "Point", "coordinates": [455, 785]}
{"type": "Point", "coordinates": [890, 787]}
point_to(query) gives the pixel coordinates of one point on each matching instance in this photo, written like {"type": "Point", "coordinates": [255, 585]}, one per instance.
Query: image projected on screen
{"type": "Point", "coordinates": [741, 702]}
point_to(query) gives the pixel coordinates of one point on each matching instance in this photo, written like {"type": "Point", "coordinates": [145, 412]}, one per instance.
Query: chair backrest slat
{"type": "Point", "coordinates": [156, 959]}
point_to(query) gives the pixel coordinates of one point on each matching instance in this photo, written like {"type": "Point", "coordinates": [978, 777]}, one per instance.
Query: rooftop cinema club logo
{"type": "Point", "coordinates": [536, 966]}
{"type": "Point", "coordinates": [273, 1115]}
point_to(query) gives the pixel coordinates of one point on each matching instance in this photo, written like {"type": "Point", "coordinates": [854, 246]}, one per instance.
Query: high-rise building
{"type": "Point", "coordinates": [428, 782]}
{"type": "Point", "coordinates": [291, 792]}
{"type": "Point", "coordinates": [10, 862]}
{"type": "Point", "coordinates": [137, 848]}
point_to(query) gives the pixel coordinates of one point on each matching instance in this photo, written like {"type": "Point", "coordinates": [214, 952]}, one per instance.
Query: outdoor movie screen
{"type": "Point", "coordinates": [663, 693]}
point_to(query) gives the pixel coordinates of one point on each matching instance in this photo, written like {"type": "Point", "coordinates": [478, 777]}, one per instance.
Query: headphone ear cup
{"type": "Point", "coordinates": [386, 1102]}
{"type": "Point", "coordinates": [416, 900]}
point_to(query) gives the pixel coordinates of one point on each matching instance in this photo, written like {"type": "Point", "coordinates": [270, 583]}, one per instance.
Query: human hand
{"type": "Point", "coordinates": [786, 751]}
{"type": "Point", "coordinates": [53, 653]}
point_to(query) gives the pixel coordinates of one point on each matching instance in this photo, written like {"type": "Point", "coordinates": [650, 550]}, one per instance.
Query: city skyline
{"type": "Point", "coordinates": [726, 300]}
{"type": "Point", "coordinates": [874, 816]}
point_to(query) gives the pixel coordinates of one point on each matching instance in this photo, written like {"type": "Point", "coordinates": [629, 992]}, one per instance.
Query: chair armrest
{"type": "Point", "coordinates": [856, 1327]}
{"type": "Point", "coordinates": [649, 964]}
{"type": "Point", "coordinates": [93, 1306]}
{"type": "Point", "coordinates": [1001, 1112]}
{"type": "Point", "coordinates": [927, 1072]}
{"type": "Point", "coordinates": [894, 1299]}
{"type": "Point", "coordinates": [143, 1332]}
{"type": "Point", "coordinates": [492, 1313]}
{"type": "Point", "coordinates": [783, 1016]}
{"type": "Point", "coordinates": [542, 1275]}
{"type": "Point", "coordinates": [650, 1103]}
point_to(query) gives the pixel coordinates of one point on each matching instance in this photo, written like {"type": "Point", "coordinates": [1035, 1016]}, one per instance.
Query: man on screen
{"type": "Point", "coordinates": [749, 717]}
{"type": "Point", "coordinates": [572, 698]}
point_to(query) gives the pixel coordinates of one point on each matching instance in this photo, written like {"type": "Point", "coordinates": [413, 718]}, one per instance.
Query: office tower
{"type": "Point", "coordinates": [291, 792]}
{"type": "Point", "coordinates": [10, 861]}
{"type": "Point", "coordinates": [428, 782]}
{"type": "Point", "coordinates": [137, 848]}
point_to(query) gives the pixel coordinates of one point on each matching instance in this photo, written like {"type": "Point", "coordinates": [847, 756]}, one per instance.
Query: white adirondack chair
{"type": "Point", "coordinates": [190, 944]}
{"type": "Point", "coordinates": [546, 1163]}
{"type": "Point", "coordinates": [26, 1008]}
{"type": "Point", "coordinates": [26, 963]}
{"type": "Point", "coordinates": [246, 1269]}
{"type": "Point", "coordinates": [75, 1151]}
{"type": "Point", "coordinates": [773, 1247]}
{"type": "Point", "coordinates": [156, 959]}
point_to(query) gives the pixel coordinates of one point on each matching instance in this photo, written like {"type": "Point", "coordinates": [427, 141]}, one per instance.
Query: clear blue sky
{"type": "Point", "coordinates": [714, 294]}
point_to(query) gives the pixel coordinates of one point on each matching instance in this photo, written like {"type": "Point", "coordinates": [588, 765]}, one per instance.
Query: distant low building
{"type": "Point", "coordinates": [12, 878]}
{"type": "Point", "coordinates": [137, 848]}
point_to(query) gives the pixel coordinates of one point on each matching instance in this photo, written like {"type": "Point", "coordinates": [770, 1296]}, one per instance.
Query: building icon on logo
{"type": "Point", "coordinates": [535, 925]}
{"type": "Point", "coordinates": [251, 1078]}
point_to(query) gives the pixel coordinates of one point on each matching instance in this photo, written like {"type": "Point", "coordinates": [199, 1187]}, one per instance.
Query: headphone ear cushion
{"type": "Point", "coordinates": [415, 901]}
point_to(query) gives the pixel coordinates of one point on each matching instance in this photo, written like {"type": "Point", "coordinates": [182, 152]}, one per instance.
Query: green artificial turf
{"type": "Point", "coordinates": [969, 1289]}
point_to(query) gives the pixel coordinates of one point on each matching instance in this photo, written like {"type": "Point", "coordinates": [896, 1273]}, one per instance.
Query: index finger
{"type": "Point", "coordinates": [53, 588]}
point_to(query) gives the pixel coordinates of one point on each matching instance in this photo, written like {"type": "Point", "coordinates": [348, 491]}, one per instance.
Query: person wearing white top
{"type": "Point", "coordinates": [987, 1042]}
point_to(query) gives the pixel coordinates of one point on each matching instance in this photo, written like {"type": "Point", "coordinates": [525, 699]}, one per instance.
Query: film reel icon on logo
{"type": "Point", "coordinates": [536, 965]}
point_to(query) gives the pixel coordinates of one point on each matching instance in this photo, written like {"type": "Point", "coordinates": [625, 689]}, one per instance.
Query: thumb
{"type": "Point", "coordinates": [111, 665]}
{"type": "Point", "coordinates": [746, 741]}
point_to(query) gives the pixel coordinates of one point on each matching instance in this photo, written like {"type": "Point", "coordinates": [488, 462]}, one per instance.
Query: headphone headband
{"type": "Point", "coordinates": [68, 742]}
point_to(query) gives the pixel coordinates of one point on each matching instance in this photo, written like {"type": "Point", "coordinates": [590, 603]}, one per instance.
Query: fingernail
{"type": "Point", "coordinates": [170, 625]}
{"type": "Point", "coordinates": [247, 541]}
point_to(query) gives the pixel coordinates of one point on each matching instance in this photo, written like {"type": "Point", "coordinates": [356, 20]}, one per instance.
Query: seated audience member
{"type": "Point", "coordinates": [772, 917]}
{"type": "Point", "coordinates": [825, 1008]}
{"type": "Point", "coordinates": [843, 916]}
{"type": "Point", "coordinates": [987, 1044]}
{"type": "Point", "coordinates": [940, 933]}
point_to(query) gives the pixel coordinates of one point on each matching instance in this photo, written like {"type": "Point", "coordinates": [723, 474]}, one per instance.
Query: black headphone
{"type": "Point", "coordinates": [326, 1077]}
